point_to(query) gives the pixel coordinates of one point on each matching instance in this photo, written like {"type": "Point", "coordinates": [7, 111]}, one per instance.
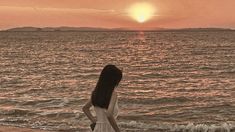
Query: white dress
{"type": "Point", "coordinates": [102, 124]}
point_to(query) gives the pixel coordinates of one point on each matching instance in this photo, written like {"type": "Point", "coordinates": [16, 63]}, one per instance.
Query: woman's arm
{"type": "Point", "coordinates": [86, 110]}
{"type": "Point", "coordinates": [109, 112]}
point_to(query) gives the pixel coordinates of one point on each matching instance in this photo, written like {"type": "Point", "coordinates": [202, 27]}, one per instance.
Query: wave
{"type": "Point", "coordinates": [134, 125]}
{"type": "Point", "coordinates": [155, 101]}
{"type": "Point", "coordinates": [16, 112]}
{"type": "Point", "coordinates": [225, 127]}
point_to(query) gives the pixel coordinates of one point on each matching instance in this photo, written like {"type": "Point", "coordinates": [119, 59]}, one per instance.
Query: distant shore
{"type": "Point", "coordinates": [92, 29]}
{"type": "Point", "coordinates": [19, 129]}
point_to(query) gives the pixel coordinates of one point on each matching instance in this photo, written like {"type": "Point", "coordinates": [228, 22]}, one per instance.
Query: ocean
{"type": "Point", "coordinates": [172, 81]}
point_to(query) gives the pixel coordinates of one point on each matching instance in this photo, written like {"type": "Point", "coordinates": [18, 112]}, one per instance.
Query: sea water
{"type": "Point", "coordinates": [172, 81]}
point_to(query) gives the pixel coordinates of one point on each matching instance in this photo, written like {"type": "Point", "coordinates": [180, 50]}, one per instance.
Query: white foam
{"type": "Point", "coordinates": [225, 127]}
{"type": "Point", "coordinates": [144, 126]}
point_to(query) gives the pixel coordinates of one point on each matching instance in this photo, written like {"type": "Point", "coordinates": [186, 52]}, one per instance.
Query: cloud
{"type": "Point", "coordinates": [79, 10]}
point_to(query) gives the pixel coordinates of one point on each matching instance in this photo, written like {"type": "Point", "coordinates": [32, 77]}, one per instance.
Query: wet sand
{"type": "Point", "coordinates": [18, 129]}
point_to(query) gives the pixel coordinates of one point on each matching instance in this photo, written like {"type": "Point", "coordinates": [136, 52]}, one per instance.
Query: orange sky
{"type": "Point", "coordinates": [113, 14]}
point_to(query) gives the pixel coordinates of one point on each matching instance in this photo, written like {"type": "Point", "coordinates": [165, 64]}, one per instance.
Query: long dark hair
{"type": "Point", "coordinates": [109, 78]}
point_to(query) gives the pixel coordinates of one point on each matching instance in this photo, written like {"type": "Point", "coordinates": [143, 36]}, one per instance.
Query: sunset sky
{"type": "Point", "coordinates": [115, 13]}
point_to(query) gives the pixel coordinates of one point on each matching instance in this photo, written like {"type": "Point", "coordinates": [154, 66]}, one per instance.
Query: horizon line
{"type": "Point", "coordinates": [121, 28]}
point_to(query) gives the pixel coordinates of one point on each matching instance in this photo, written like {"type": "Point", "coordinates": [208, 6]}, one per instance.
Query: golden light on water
{"type": "Point", "coordinates": [141, 12]}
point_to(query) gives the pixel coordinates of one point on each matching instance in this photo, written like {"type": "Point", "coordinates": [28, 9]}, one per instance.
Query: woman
{"type": "Point", "coordinates": [104, 100]}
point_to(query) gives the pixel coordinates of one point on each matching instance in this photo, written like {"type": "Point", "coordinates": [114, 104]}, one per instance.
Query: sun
{"type": "Point", "coordinates": [141, 12]}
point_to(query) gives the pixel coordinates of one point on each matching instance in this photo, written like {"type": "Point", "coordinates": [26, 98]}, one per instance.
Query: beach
{"type": "Point", "coordinates": [18, 129]}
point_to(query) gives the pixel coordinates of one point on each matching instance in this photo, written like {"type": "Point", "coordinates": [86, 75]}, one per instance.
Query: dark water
{"type": "Point", "coordinates": [173, 81]}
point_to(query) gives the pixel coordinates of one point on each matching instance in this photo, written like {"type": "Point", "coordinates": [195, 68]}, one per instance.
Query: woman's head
{"type": "Point", "coordinates": [109, 78]}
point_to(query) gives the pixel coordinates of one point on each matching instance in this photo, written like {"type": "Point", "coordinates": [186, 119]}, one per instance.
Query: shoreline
{"type": "Point", "coordinates": [5, 128]}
